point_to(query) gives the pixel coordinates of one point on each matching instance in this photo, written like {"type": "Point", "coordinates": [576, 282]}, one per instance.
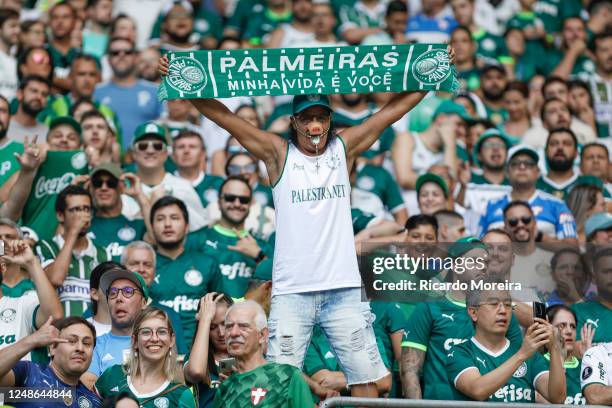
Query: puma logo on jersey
{"type": "Point", "coordinates": [451, 354]}
{"type": "Point", "coordinates": [481, 361]}
{"type": "Point", "coordinates": [450, 316]}
{"type": "Point", "coordinates": [593, 322]}
{"type": "Point", "coordinates": [115, 389]}
{"type": "Point", "coordinates": [212, 243]}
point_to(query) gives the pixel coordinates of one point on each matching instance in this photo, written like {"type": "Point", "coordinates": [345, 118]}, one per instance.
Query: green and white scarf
{"type": "Point", "coordinates": [295, 71]}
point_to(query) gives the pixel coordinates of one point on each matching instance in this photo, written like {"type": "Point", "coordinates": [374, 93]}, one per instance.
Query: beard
{"type": "Point", "coordinates": [496, 167]}
{"type": "Point", "coordinates": [351, 101]}
{"type": "Point", "coordinates": [3, 131]}
{"type": "Point", "coordinates": [170, 245]}
{"type": "Point", "coordinates": [493, 95]}
{"type": "Point", "coordinates": [561, 165]}
{"type": "Point", "coordinates": [31, 110]}
{"type": "Point", "coordinates": [178, 38]}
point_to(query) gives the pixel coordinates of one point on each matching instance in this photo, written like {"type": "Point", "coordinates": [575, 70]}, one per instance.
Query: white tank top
{"type": "Point", "coordinates": [315, 246]}
{"type": "Point", "coordinates": [422, 157]}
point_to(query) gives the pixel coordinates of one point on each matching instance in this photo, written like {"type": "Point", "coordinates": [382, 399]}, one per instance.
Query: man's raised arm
{"type": "Point", "coordinates": [266, 146]}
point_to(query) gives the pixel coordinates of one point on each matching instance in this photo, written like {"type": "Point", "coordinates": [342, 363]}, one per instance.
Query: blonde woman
{"type": "Point", "coordinates": [152, 374]}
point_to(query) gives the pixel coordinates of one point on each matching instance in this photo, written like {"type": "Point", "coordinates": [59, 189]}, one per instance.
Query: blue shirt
{"type": "Point", "coordinates": [134, 105]}
{"type": "Point", "coordinates": [108, 352]}
{"type": "Point", "coordinates": [423, 29]}
{"type": "Point", "coordinates": [32, 375]}
{"type": "Point", "coordinates": [552, 215]}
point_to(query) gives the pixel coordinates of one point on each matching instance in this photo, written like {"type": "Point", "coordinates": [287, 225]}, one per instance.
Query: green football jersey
{"type": "Point", "coordinates": [74, 292]}
{"type": "Point", "coordinates": [261, 25]}
{"type": "Point", "coordinates": [208, 189]}
{"type": "Point", "coordinates": [583, 68]}
{"type": "Point", "coordinates": [572, 379]}
{"type": "Point", "coordinates": [435, 328]}
{"type": "Point", "coordinates": [553, 12]}
{"type": "Point", "coordinates": [263, 195]}
{"type": "Point", "coordinates": [497, 116]}
{"type": "Point", "coordinates": [529, 20]}
{"type": "Point", "coordinates": [236, 268]}
{"type": "Point", "coordinates": [268, 386]}
{"type": "Point", "coordinates": [469, 79]}
{"type": "Point", "coordinates": [115, 381]}
{"type": "Point", "coordinates": [361, 220]}
{"type": "Point", "coordinates": [560, 191]}
{"type": "Point", "coordinates": [116, 233]}
{"type": "Point", "coordinates": [8, 163]}
{"type": "Point", "coordinates": [489, 45]}
{"type": "Point", "coordinates": [19, 289]}
{"type": "Point", "coordinates": [54, 174]}
{"type": "Point", "coordinates": [180, 283]}
{"type": "Point", "coordinates": [378, 191]}
{"type": "Point", "coordinates": [520, 388]}
{"type": "Point", "coordinates": [596, 314]}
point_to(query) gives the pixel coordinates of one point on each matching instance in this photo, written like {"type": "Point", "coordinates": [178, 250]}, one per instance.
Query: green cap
{"type": "Point", "coordinates": [449, 107]}
{"type": "Point", "coordinates": [523, 149]}
{"type": "Point", "coordinates": [465, 244]}
{"type": "Point", "coordinates": [149, 129]}
{"type": "Point", "coordinates": [489, 134]}
{"type": "Point", "coordinates": [589, 181]}
{"type": "Point", "coordinates": [66, 120]}
{"type": "Point", "coordinates": [110, 168]}
{"type": "Point", "coordinates": [302, 102]}
{"type": "Point", "coordinates": [434, 178]}
{"type": "Point", "coordinates": [263, 270]}
{"type": "Point", "coordinates": [121, 273]}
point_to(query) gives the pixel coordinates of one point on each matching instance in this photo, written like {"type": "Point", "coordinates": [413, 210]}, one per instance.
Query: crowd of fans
{"type": "Point", "coordinates": [139, 235]}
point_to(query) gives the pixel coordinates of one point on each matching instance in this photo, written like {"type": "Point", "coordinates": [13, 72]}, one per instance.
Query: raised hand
{"type": "Point", "coordinates": [163, 65]}
{"type": "Point", "coordinates": [133, 187]}
{"type": "Point", "coordinates": [586, 334]}
{"type": "Point", "coordinates": [246, 245]}
{"type": "Point", "coordinates": [31, 157]}
{"type": "Point", "coordinates": [538, 335]}
{"type": "Point", "coordinates": [18, 252]}
{"type": "Point", "coordinates": [208, 306]}
{"type": "Point", "coordinates": [47, 335]}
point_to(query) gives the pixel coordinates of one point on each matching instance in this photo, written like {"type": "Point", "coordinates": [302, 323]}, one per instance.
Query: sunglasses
{"type": "Point", "coordinates": [230, 198]}
{"type": "Point", "coordinates": [526, 220]}
{"type": "Point", "coordinates": [528, 164]}
{"type": "Point", "coordinates": [236, 169]}
{"type": "Point", "coordinates": [127, 292]}
{"type": "Point", "coordinates": [145, 144]}
{"type": "Point", "coordinates": [110, 182]}
{"type": "Point", "coordinates": [116, 53]}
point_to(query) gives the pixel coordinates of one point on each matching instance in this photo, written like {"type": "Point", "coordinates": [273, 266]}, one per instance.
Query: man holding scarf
{"type": "Point", "coordinates": [315, 274]}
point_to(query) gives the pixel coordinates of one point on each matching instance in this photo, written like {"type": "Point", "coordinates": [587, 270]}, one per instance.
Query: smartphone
{"type": "Point", "coordinates": [539, 310]}
{"type": "Point", "coordinates": [226, 365]}
{"type": "Point", "coordinates": [1, 248]}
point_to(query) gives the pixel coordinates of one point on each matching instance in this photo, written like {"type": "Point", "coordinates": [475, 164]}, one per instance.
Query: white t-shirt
{"type": "Point", "coordinates": [315, 245]}
{"type": "Point", "coordinates": [8, 76]}
{"type": "Point", "coordinates": [176, 187]}
{"type": "Point", "coordinates": [597, 366]}
{"type": "Point", "coordinates": [101, 328]}
{"type": "Point", "coordinates": [17, 317]}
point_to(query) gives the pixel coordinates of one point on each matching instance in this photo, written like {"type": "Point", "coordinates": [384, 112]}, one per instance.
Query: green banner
{"type": "Point", "coordinates": [294, 71]}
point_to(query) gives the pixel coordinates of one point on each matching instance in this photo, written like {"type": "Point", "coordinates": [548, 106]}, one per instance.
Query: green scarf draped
{"type": "Point", "coordinates": [294, 71]}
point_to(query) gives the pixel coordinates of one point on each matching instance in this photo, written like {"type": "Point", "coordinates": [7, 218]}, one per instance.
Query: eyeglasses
{"type": "Point", "coordinates": [236, 169]}
{"type": "Point", "coordinates": [79, 209]}
{"type": "Point", "coordinates": [161, 332]}
{"type": "Point", "coordinates": [493, 145]}
{"type": "Point", "coordinates": [526, 220]}
{"type": "Point", "coordinates": [145, 144]}
{"type": "Point", "coordinates": [110, 182]}
{"type": "Point", "coordinates": [528, 164]}
{"type": "Point", "coordinates": [116, 53]}
{"type": "Point", "coordinates": [230, 198]}
{"type": "Point", "coordinates": [507, 304]}
{"type": "Point", "coordinates": [127, 292]}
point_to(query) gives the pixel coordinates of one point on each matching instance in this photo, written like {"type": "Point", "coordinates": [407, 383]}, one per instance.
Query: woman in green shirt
{"type": "Point", "coordinates": [564, 320]}
{"type": "Point", "coordinates": [152, 373]}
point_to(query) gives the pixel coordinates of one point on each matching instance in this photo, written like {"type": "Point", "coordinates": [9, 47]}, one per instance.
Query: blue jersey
{"type": "Point", "coordinates": [110, 350]}
{"type": "Point", "coordinates": [134, 105]}
{"type": "Point", "coordinates": [423, 29]}
{"type": "Point", "coordinates": [552, 215]}
{"type": "Point", "coordinates": [32, 375]}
